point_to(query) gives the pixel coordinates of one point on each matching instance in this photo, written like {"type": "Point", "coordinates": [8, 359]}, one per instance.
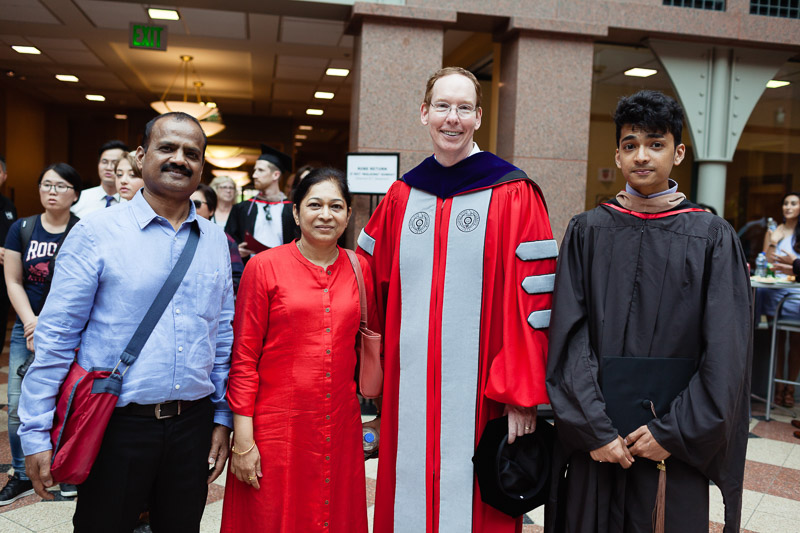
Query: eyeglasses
{"type": "Point", "coordinates": [226, 188]}
{"type": "Point", "coordinates": [58, 187]}
{"type": "Point", "coordinates": [198, 203]}
{"type": "Point", "coordinates": [443, 108]}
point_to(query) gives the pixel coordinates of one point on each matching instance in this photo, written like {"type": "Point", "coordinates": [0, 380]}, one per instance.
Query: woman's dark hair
{"type": "Point", "coordinates": [319, 175]}
{"type": "Point", "coordinates": [652, 111]}
{"type": "Point", "coordinates": [211, 196]}
{"type": "Point", "coordinates": [68, 174]}
{"type": "Point", "coordinates": [796, 235]}
{"type": "Point", "coordinates": [708, 208]}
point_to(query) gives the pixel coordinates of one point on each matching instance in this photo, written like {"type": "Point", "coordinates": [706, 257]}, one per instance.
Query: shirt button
{"type": "Point", "coordinates": [328, 395]}
{"type": "Point", "coordinates": [324, 290]}
{"type": "Point", "coordinates": [180, 348]}
{"type": "Point", "coordinates": [327, 309]}
{"type": "Point", "coordinates": [326, 502]}
{"type": "Point", "coordinates": [177, 311]}
{"type": "Point", "coordinates": [327, 480]}
{"type": "Point", "coordinates": [327, 374]}
{"type": "Point", "coordinates": [325, 524]}
{"type": "Point", "coordinates": [327, 330]}
{"type": "Point", "coordinates": [327, 351]}
{"type": "Point", "coordinates": [327, 439]}
{"type": "Point", "coordinates": [327, 417]}
{"type": "Point", "coordinates": [177, 387]}
{"type": "Point", "coordinates": [329, 272]}
{"type": "Point", "coordinates": [327, 458]}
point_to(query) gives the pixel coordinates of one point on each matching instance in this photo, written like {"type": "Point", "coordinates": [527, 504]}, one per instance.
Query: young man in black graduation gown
{"type": "Point", "coordinates": [266, 220]}
{"type": "Point", "coordinates": [649, 275]}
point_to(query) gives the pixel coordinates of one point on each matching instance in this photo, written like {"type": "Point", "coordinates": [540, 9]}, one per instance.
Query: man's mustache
{"type": "Point", "coordinates": [172, 167]}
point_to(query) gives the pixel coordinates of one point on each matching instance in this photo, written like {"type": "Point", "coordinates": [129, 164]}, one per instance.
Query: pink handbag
{"type": "Point", "coordinates": [368, 343]}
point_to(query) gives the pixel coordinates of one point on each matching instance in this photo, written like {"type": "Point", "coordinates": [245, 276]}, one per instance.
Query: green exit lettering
{"type": "Point", "coordinates": [148, 36]}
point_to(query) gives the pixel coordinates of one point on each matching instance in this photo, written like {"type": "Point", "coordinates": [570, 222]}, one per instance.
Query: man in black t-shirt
{"type": "Point", "coordinates": [8, 214]}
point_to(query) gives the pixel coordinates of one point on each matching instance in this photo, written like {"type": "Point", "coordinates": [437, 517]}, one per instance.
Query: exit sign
{"type": "Point", "coordinates": [147, 36]}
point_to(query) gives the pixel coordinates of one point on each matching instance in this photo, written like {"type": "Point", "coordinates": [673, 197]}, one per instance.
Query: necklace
{"type": "Point", "coordinates": [324, 264]}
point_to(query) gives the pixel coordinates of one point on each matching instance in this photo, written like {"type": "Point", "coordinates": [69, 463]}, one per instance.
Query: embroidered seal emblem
{"type": "Point", "coordinates": [467, 220]}
{"type": "Point", "coordinates": [419, 223]}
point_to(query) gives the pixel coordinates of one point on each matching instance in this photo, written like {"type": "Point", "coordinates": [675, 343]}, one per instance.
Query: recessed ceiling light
{"type": "Point", "coordinates": [640, 72]}
{"type": "Point", "coordinates": [305, 128]}
{"type": "Point", "coordinates": [322, 95]}
{"type": "Point", "coordinates": [26, 50]}
{"type": "Point", "coordinates": [163, 14]}
{"type": "Point", "coordinates": [301, 137]}
{"type": "Point", "coordinates": [96, 97]}
{"type": "Point", "coordinates": [298, 144]}
{"type": "Point", "coordinates": [67, 77]}
{"type": "Point", "coordinates": [337, 72]}
{"type": "Point", "coordinates": [774, 84]}
{"type": "Point", "coordinates": [120, 116]}
{"type": "Point", "coordinates": [311, 111]}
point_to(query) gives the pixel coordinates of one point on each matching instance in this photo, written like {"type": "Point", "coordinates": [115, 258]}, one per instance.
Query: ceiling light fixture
{"type": "Point", "coordinates": [163, 14]}
{"type": "Point", "coordinates": [96, 97]}
{"type": "Point", "coordinates": [311, 111]}
{"type": "Point", "coordinates": [198, 110]}
{"type": "Point", "coordinates": [298, 144]}
{"type": "Point", "coordinates": [67, 77]}
{"type": "Point", "coordinates": [640, 72]}
{"type": "Point", "coordinates": [212, 124]}
{"type": "Point", "coordinates": [301, 137]}
{"type": "Point", "coordinates": [337, 72]}
{"type": "Point", "coordinates": [322, 95]}
{"type": "Point", "coordinates": [26, 50]}
{"type": "Point", "coordinates": [305, 128]}
{"type": "Point", "coordinates": [239, 177]}
{"type": "Point", "coordinates": [775, 84]}
{"type": "Point", "coordinates": [120, 116]}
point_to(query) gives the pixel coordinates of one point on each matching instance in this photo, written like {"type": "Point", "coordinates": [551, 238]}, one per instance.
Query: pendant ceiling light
{"type": "Point", "coordinates": [200, 109]}
{"type": "Point", "coordinates": [212, 124]}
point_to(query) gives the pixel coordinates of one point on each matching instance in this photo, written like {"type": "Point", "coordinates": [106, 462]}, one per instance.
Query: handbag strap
{"type": "Point", "coordinates": [165, 295]}
{"type": "Point", "coordinates": [362, 294]}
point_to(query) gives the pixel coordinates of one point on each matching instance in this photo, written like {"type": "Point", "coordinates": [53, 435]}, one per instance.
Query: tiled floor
{"type": "Point", "coordinates": [771, 501]}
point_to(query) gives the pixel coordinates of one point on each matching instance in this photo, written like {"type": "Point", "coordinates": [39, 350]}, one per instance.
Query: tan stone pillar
{"type": "Point", "coordinates": [393, 60]}
{"type": "Point", "coordinates": [543, 123]}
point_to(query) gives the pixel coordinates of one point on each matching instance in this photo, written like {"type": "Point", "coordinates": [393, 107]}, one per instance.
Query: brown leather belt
{"type": "Point", "coordinates": [157, 410]}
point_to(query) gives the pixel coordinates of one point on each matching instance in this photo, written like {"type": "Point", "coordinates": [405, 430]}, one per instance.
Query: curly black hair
{"type": "Point", "coordinates": [651, 111]}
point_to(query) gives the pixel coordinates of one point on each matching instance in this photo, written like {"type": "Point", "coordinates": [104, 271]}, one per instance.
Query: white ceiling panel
{"type": "Point", "coordinates": [214, 23]}
{"type": "Point", "coordinates": [47, 44]}
{"type": "Point", "coordinates": [75, 57]}
{"type": "Point", "coordinates": [300, 68]}
{"type": "Point", "coordinates": [311, 31]}
{"type": "Point", "coordinates": [293, 92]}
{"type": "Point", "coordinates": [115, 15]}
{"type": "Point", "coordinates": [26, 11]}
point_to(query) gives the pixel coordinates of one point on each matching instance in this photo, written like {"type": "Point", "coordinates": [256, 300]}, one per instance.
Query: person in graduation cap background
{"type": "Point", "coordinates": [462, 256]}
{"type": "Point", "coordinates": [266, 218]}
{"type": "Point", "coordinates": [649, 275]}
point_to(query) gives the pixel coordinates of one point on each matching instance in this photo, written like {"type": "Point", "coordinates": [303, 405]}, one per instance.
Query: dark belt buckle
{"type": "Point", "coordinates": [160, 416]}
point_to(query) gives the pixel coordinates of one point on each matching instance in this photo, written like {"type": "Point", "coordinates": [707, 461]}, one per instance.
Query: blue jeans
{"type": "Point", "coordinates": [18, 352]}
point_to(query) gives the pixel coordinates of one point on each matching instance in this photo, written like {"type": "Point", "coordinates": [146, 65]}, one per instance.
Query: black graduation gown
{"type": "Point", "coordinates": [243, 219]}
{"type": "Point", "coordinates": [674, 284]}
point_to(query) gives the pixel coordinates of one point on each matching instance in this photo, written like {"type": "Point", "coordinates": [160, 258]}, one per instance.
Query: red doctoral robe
{"type": "Point", "coordinates": [463, 279]}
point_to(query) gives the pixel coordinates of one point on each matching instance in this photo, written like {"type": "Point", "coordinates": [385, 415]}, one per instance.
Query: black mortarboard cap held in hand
{"type": "Point", "coordinates": [515, 478]}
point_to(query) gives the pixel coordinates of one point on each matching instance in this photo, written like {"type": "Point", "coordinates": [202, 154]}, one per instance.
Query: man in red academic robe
{"type": "Point", "coordinates": [463, 260]}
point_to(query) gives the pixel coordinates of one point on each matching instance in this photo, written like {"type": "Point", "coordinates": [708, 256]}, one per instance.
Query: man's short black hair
{"type": "Point", "coordinates": [177, 115]}
{"type": "Point", "coordinates": [112, 145]}
{"type": "Point", "coordinates": [652, 111]}
{"type": "Point", "coordinates": [210, 196]}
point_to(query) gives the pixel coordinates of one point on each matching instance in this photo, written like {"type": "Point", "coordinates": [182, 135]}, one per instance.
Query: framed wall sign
{"type": "Point", "coordinates": [372, 173]}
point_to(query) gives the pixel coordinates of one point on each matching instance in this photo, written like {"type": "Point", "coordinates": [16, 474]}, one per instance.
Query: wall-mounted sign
{"type": "Point", "coordinates": [372, 173]}
{"type": "Point", "coordinates": [145, 36]}
{"type": "Point", "coordinates": [606, 175]}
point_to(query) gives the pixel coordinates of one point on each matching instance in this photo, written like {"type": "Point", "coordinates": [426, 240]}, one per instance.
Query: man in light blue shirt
{"type": "Point", "coordinates": [172, 406]}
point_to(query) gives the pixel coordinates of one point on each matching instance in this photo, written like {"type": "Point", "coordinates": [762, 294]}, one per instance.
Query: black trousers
{"type": "Point", "coordinates": [161, 464]}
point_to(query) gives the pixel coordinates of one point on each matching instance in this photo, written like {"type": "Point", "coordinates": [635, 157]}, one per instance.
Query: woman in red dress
{"type": "Point", "coordinates": [297, 463]}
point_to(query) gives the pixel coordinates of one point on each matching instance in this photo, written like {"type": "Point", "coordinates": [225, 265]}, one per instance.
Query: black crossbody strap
{"type": "Point", "coordinates": [162, 300]}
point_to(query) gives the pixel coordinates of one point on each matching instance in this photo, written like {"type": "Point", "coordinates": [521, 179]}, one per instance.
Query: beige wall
{"type": "Point", "coordinates": [25, 149]}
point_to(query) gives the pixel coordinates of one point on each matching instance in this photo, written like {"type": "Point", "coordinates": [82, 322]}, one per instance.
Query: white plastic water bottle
{"type": "Point", "coordinates": [370, 440]}
{"type": "Point", "coordinates": [771, 224]}
{"type": "Point", "coordinates": [761, 265]}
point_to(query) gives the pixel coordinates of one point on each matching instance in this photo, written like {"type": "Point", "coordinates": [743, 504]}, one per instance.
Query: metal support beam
{"type": "Point", "coordinates": [718, 87]}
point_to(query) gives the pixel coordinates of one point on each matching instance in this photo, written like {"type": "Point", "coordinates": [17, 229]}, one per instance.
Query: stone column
{"type": "Point", "coordinates": [393, 60]}
{"type": "Point", "coordinates": [543, 125]}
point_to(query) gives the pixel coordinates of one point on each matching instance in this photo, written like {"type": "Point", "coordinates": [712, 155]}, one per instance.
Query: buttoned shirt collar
{"type": "Point", "coordinates": [144, 213]}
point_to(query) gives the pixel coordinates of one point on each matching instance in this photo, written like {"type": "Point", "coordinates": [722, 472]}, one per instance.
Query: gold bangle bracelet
{"type": "Point", "coordinates": [233, 449]}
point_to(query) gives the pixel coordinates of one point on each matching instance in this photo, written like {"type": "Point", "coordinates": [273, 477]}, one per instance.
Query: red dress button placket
{"type": "Point", "coordinates": [327, 423]}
